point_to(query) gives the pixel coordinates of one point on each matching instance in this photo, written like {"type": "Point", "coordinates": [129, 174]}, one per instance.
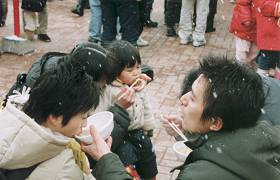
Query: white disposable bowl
{"type": "Point", "coordinates": [181, 150]}
{"type": "Point", "coordinates": [103, 121]}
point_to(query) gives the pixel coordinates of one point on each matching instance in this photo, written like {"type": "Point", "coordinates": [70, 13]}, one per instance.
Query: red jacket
{"type": "Point", "coordinates": [267, 17]}
{"type": "Point", "coordinates": [243, 12]}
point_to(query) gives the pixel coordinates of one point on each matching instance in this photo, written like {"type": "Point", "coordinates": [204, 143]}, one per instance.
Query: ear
{"type": "Point", "coordinates": [216, 124]}
{"type": "Point", "coordinates": [54, 121]}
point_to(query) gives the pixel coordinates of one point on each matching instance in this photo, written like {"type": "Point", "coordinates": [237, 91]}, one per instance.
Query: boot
{"type": "Point", "coordinates": [148, 22]}
{"type": "Point", "coordinates": [147, 17]}
{"type": "Point", "coordinates": [170, 32]}
{"type": "Point", "coordinates": [79, 9]}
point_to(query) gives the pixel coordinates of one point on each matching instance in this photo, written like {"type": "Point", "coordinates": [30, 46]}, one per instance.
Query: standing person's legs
{"type": "Point", "coordinates": [172, 14]}
{"type": "Point", "coordinates": [109, 21]}
{"type": "Point", "coordinates": [4, 12]}
{"type": "Point", "coordinates": [245, 51]}
{"type": "Point", "coordinates": [202, 9]}
{"type": "Point", "coordinates": [29, 24]}
{"type": "Point", "coordinates": [128, 12]}
{"type": "Point", "coordinates": [95, 21]}
{"type": "Point", "coordinates": [211, 16]}
{"type": "Point", "coordinates": [79, 8]}
{"type": "Point", "coordinates": [141, 7]}
{"type": "Point", "coordinates": [43, 25]}
{"type": "Point", "coordinates": [186, 24]}
{"type": "Point", "coordinates": [147, 14]}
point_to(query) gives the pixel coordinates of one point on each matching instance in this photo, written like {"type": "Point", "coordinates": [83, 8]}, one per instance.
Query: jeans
{"type": "Point", "coordinates": [95, 20]}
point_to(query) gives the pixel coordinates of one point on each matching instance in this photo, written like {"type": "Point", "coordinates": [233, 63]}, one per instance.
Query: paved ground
{"type": "Point", "coordinates": [169, 59]}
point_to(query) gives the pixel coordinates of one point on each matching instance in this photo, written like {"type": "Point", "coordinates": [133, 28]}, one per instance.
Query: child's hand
{"type": "Point", "coordinates": [142, 82]}
{"type": "Point", "coordinates": [140, 85]}
{"type": "Point", "coordinates": [126, 98]}
{"type": "Point", "coordinates": [99, 147]}
{"type": "Point", "coordinates": [169, 118]}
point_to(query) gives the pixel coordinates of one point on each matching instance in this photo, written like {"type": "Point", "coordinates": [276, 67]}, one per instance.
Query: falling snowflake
{"type": "Point", "coordinates": [215, 95]}
{"type": "Point", "coordinates": [206, 136]}
{"type": "Point", "coordinates": [89, 53]}
{"type": "Point", "coordinates": [263, 111]}
{"type": "Point", "coordinates": [219, 150]}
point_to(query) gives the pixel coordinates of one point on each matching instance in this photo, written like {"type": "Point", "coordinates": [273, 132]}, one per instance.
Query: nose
{"type": "Point", "coordinates": [185, 99]}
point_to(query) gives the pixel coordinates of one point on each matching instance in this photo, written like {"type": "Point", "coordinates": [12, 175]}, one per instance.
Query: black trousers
{"type": "Point", "coordinates": [128, 13]}
{"type": "Point", "coordinates": [172, 10]}
{"type": "Point", "coordinates": [137, 149]}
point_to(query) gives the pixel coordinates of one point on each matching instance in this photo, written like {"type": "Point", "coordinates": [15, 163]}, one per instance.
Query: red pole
{"type": "Point", "coordinates": [16, 17]}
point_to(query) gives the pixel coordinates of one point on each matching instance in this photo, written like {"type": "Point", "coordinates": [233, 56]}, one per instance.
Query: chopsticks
{"type": "Point", "coordinates": [130, 87]}
{"type": "Point", "coordinates": [176, 129]}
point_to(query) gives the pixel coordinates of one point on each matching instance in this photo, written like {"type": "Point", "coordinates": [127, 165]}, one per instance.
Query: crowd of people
{"type": "Point", "coordinates": [229, 110]}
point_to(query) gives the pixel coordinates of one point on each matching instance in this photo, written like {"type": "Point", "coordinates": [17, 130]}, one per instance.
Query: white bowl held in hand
{"type": "Point", "coordinates": [103, 121]}
{"type": "Point", "coordinates": [181, 150]}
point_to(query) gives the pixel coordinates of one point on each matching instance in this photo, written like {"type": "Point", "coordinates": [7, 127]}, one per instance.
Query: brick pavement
{"type": "Point", "coordinates": [169, 59]}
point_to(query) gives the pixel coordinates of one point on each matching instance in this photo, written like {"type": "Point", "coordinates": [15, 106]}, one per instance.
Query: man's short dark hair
{"type": "Point", "coordinates": [233, 92]}
{"type": "Point", "coordinates": [64, 91]}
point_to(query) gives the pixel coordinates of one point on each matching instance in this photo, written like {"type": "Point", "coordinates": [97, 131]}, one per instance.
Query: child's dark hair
{"type": "Point", "coordinates": [97, 61]}
{"type": "Point", "coordinates": [64, 91]}
{"type": "Point", "coordinates": [233, 92]}
{"type": "Point", "coordinates": [127, 54]}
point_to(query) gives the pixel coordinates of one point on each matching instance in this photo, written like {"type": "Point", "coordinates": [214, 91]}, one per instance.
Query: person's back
{"type": "Point", "coordinates": [242, 154]}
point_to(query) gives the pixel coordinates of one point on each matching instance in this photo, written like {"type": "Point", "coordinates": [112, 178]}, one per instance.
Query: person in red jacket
{"type": "Point", "coordinates": [243, 26]}
{"type": "Point", "coordinates": [268, 35]}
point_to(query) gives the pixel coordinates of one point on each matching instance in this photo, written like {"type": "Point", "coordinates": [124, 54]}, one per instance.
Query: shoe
{"type": "Point", "coordinates": [170, 32]}
{"type": "Point", "coordinates": [78, 11]}
{"type": "Point", "coordinates": [141, 42]}
{"type": "Point", "coordinates": [28, 35]}
{"type": "Point", "coordinates": [199, 43]}
{"type": "Point", "coordinates": [210, 30]}
{"type": "Point", "coordinates": [2, 23]}
{"type": "Point", "coordinates": [150, 23]}
{"type": "Point", "coordinates": [186, 41]}
{"type": "Point", "coordinates": [44, 37]}
{"type": "Point", "coordinates": [90, 39]}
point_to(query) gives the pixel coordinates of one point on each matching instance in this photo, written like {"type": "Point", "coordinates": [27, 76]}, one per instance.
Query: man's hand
{"type": "Point", "coordinates": [99, 147]}
{"type": "Point", "coordinates": [169, 118]}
